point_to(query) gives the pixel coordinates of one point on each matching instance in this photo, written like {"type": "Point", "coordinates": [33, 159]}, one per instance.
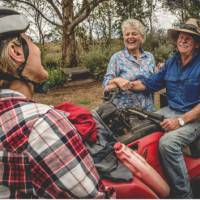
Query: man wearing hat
{"type": "Point", "coordinates": [181, 78]}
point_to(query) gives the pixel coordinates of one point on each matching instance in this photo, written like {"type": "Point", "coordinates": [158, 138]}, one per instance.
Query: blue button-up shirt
{"type": "Point", "coordinates": [124, 65]}
{"type": "Point", "coordinates": [182, 82]}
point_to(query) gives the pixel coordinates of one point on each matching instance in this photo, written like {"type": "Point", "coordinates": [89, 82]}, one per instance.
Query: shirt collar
{"type": "Point", "coordinates": [130, 57]}
{"type": "Point", "coordinates": [194, 55]}
{"type": "Point", "coordinates": [8, 93]}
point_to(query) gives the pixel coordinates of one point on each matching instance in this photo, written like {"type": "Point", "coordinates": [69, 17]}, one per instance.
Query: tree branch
{"type": "Point", "coordinates": [34, 7]}
{"type": "Point", "coordinates": [56, 9]}
{"type": "Point", "coordinates": [84, 12]}
{"type": "Point", "coordinates": [58, 2]}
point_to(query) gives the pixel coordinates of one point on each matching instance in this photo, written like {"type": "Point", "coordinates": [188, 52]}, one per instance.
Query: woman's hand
{"type": "Point", "coordinates": [122, 83]}
{"type": "Point", "coordinates": [170, 124]}
{"type": "Point", "coordinates": [111, 86]}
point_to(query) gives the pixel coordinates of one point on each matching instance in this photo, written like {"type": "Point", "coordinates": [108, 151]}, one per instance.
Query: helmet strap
{"type": "Point", "coordinates": [26, 54]}
{"type": "Point", "coordinates": [9, 77]}
{"type": "Point", "coordinates": [20, 69]}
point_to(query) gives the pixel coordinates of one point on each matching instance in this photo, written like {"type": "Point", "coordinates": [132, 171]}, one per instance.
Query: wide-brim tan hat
{"type": "Point", "coordinates": [191, 26]}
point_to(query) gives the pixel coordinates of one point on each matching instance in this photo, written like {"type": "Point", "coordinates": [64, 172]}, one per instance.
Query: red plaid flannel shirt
{"type": "Point", "coordinates": [41, 153]}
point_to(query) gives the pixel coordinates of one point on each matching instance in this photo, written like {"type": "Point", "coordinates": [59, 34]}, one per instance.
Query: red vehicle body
{"type": "Point", "coordinates": [147, 146]}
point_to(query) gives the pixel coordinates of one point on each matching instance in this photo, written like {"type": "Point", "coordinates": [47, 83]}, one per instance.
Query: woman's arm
{"type": "Point", "coordinates": [120, 82]}
{"type": "Point", "coordinates": [111, 73]}
{"type": "Point", "coordinates": [112, 77]}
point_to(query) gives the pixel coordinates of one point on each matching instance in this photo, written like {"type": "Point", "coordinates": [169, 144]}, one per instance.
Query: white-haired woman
{"type": "Point", "coordinates": [129, 63]}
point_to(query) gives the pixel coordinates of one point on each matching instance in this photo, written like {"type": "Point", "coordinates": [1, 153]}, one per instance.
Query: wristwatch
{"type": "Point", "coordinates": [181, 121]}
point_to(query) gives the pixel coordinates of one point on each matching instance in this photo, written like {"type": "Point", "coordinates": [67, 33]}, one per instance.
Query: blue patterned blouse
{"type": "Point", "coordinates": [124, 65]}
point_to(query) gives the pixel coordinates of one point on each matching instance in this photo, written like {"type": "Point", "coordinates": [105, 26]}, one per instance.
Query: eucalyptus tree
{"type": "Point", "coordinates": [100, 23]}
{"type": "Point", "coordinates": [42, 26]}
{"type": "Point", "coordinates": [66, 15]}
{"type": "Point", "coordinates": [142, 10]}
{"type": "Point", "coordinates": [183, 9]}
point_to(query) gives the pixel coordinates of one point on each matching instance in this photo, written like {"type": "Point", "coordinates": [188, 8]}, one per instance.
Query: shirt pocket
{"type": "Point", "coordinates": [172, 86]}
{"type": "Point", "coordinates": [192, 90]}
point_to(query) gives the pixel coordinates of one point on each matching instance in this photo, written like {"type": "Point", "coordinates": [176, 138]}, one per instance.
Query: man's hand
{"type": "Point", "coordinates": [159, 66]}
{"type": "Point", "coordinates": [137, 85]}
{"type": "Point", "coordinates": [170, 124]}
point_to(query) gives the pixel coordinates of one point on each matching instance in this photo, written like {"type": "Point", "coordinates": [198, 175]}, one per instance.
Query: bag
{"type": "Point", "coordinates": [128, 124]}
{"type": "Point", "coordinates": [82, 119]}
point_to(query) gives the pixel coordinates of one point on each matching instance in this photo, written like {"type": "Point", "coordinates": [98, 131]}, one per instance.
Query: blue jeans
{"type": "Point", "coordinates": [170, 146]}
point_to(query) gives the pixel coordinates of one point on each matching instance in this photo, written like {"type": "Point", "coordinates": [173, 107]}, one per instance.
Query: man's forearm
{"type": "Point", "coordinates": [192, 115]}
{"type": "Point", "coordinates": [137, 86]}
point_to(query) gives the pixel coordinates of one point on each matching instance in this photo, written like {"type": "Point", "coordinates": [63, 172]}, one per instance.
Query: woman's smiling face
{"type": "Point", "coordinates": [132, 38]}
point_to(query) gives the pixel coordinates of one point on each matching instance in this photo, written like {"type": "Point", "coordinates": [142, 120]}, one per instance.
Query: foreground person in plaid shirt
{"type": "Point", "coordinates": [41, 153]}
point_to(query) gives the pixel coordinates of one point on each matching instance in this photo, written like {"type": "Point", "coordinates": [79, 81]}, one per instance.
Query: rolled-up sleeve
{"type": "Point", "coordinates": [156, 81]}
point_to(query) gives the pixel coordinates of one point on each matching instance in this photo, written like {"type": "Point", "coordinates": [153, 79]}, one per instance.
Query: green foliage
{"type": "Point", "coordinates": [183, 9]}
{"type": "Point", "coordinates": [158, 44]}
{"type": "Point", "coordinates": [96, 60]}
{"type": "Point", "coordinates": [52, 61]}
{"type": "Point", "coordinates": [56, 77]}
{"type": "Point", "coordinates": [51, 56]}
{"type": "Point", "coordinates": [84, 102]}
{"type": "Point", "coordinates": [162, 53]}
{"type": "Point", "coordinates": [141, 10]}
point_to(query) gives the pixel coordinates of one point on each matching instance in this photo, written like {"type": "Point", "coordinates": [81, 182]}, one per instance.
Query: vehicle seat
{"type": "Point", "coordinates": [195, 148]}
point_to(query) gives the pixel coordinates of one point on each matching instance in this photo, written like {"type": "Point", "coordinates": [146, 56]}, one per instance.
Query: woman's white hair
{"type": "Point", "coordinates": [137, 25]}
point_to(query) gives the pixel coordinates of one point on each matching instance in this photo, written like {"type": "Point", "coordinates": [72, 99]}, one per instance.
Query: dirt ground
{"type": "Point", "coordinates": [87, 95]}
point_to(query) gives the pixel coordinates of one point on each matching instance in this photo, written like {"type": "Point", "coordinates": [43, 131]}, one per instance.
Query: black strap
{"type": "Point", "coordinates": [26, 54]}
{"type": "Point", "coordinates": [10, 77]}
{"type": "Point", "coordinates": [6, 77]}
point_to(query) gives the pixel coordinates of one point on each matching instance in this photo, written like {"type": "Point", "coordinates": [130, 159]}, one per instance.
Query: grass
{"type": "Point", "coordinates": [84, 102]}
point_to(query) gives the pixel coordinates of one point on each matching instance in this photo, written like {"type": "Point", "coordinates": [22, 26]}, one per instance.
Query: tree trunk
{"type": "Point", "coordinates": [68, 40]}
{"type": "Point", "coordinates": [72, 51]}
{"type": "Point", "coordinates": [69, 49]}
{"type": "Point", "coordinates": [109, 24]}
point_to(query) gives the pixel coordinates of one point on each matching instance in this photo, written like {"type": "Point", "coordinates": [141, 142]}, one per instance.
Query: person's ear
{"type": "Point", "coordinates": [16, 53]}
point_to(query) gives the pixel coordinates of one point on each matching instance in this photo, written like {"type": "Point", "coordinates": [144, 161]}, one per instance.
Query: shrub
{"type": "Point", "coordinates": [96, 60]}
{"type": "Point", "coordinates": [158, 44]}
{"type": "Point", "coordinates": [162, 52]}
{"type": "Point", "coordinates": [56, 77]}
{"type": "Point", "coordinates": [52, 61]}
